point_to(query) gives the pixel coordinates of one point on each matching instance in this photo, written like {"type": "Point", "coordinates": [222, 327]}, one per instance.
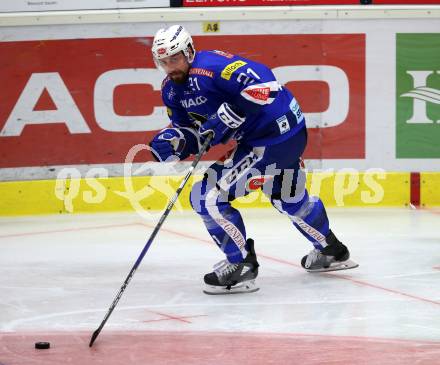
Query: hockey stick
{"type": "Point", "coordinates": [150, 240]}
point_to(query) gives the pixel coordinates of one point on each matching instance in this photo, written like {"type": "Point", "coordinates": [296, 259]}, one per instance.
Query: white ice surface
{"type": "Point", "coordinates": [63, 272]}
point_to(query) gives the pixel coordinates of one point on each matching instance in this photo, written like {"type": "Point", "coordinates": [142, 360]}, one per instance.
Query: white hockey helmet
{"type": "Point", "coordinates": [170, 41]}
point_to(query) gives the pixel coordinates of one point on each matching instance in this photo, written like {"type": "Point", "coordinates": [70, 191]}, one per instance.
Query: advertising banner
{"type": "Point", "coordinates": [418, 95]}
{"type": "Point", "coordinates": [54, 5]}
{"type": "Point", "coordinates": [405, 2]}
{"type": "Point", "coordinates": [193, 3]}
{"type": "Point", "coordinates": [88, 101]}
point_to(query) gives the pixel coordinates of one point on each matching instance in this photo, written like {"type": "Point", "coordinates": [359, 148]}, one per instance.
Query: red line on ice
{"type": "Point", "coordinates": [205, 348]}
{"type": "Point", "coordinates": [170, 319]}
{"type": "Point", "coordinates": [68, 230]}
{"type": "Point", "coordinates": [339, 276]}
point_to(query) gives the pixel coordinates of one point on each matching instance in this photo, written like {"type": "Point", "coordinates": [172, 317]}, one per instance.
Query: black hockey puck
{"type": "Point", "coordinates": [42, 345]}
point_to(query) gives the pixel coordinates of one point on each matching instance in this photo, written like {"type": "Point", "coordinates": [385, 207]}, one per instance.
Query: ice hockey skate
{"type": "Point", "coordinates": [230, 278]}
{"type": "Point", "coordinates": [335, 256]}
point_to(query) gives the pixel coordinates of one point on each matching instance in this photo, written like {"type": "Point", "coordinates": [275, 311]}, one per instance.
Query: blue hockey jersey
{"type": "Point", "coordinates": [271, 113]}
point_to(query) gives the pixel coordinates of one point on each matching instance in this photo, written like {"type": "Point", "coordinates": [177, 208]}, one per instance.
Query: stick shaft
{"type": "Point", "coordinates": [151, 239]}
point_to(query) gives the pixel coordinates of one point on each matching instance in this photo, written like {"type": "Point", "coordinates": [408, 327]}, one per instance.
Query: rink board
{"type": "Point", "coordinates": [53, 117]}
{"type": "Point", "coordinates": [147, 193]}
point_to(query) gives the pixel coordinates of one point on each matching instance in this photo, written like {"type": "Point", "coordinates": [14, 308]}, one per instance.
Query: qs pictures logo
{"type": "Point", "coordinates": [139, 189]}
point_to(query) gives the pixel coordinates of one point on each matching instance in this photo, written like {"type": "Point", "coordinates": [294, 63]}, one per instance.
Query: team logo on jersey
{"type": "Point", "coordinates": [230, 69]}
{"type": "Point", "coordinates": [199, 100]}
{"type": "Point", "coordinates": [224, 54]}
{"type": "Point", "coordinates": [171, 93]}
{"type": "Point", "coordinates": [201, 72]}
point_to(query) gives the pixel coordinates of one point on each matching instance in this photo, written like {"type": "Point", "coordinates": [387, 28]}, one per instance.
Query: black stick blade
{"type": "Point", "coordinates": [95, 334]}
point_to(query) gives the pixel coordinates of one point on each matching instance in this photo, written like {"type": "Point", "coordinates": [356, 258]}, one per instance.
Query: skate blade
{"type": "Point", "coordinates": [244, 287]}
{"type": "Point", "coordinates": [336, 266]}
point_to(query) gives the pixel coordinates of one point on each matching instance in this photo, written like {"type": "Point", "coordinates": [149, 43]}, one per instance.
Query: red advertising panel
{"type": "Point", "coordinates": [193, 3]}
{"type": "Point", "coordinates": [88, 101]}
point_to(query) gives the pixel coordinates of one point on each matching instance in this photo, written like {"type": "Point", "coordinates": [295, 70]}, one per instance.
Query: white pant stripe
{"type": "Point", "coordinates": [234, 174]}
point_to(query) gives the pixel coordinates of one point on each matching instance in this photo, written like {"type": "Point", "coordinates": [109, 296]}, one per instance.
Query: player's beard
{"type": "Point", "coordinates": [179, 77]}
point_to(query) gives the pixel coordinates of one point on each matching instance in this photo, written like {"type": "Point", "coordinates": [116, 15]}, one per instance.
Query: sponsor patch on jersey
{"type": "Point", "coordinates": [283, 124]}
{"type": "Point", "coordinates": [258, 93]}
{"type": "Point", "coordinates": [230, 69]}
{"type": "Point", "coordinates": [188, 103]}
{"type": "Point", "coordinates": [294, 107]}
{"type": "Point", "coordinates": [224, 54]}
{"type": "Point", "coordinates": [201, 72]}
{"type": "Point", "coordinates": [262, 94]}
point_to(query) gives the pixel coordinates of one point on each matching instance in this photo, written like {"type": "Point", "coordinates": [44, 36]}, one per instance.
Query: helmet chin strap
{"type": "Point", "coordinates": [190, 54]}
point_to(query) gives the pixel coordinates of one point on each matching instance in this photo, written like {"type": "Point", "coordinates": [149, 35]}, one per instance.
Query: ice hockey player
{"type": "Point", "coordinates": [236, 98]}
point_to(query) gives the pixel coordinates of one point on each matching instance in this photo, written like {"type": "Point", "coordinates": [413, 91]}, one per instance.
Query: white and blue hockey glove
{"type": "Point", "coordinates": [167, 144]}
{"type": "Point", "coordinates": [222, 124]}
{"type": "Point", "coordinates": [172, 144]}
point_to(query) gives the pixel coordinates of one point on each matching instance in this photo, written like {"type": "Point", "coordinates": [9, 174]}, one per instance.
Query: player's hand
{"type": "Point", "coordinates": [222, 124]}
{"type": "Point", "coordinates": [167, 145]}
{"type": "Point", "coordinates": [220, 131]}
